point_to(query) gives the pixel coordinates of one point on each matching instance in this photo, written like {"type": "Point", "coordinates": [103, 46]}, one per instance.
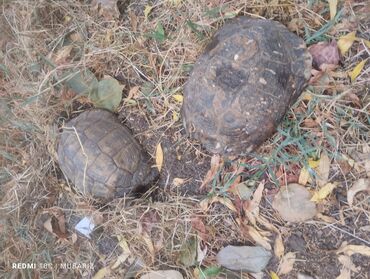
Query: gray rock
{"type": "Point", "coordinates": [162, 274]}
{"type": "Point", "coordinates": [244, 258]}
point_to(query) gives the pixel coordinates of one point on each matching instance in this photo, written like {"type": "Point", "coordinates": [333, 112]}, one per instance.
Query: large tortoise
{"type": "Point", "coordinates": [102, 158]}
{"type": "Point", "coordinates": [243, 84]}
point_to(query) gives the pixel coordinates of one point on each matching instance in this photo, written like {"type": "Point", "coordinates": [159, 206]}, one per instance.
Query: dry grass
{"type": "Point", "coordinates": [34, 102]}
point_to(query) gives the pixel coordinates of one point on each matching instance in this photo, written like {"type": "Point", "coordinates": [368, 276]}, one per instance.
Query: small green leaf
{"type": "Point", "coordinates": [188, 255]}
{"type": "Point", "coordinates": [159, 34]}
{"type": "Point", "coordinates": [108, 95]}
{"type": "Point", "coordinates": [209, 272]}
{"type": "Point", "coordinates": [81, 82]}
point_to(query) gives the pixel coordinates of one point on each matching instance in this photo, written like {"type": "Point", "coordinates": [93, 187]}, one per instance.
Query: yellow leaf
{"type": "Point", "coordinates": [323, 192]}
{"type": "Point", "coordinates": [147, 11]}
{"type": "Point", "coordinates": [123, 243]}
{"type": "Point", "coordinates": [345, 42]}
{"type": "Point", "coordinates": [175, 116]}
{"type": "Point", "coordinates": [179, 98]}
{"type": "Point", "coordinates": [101, 273]}
{"type": "Point", "coordinates": [307, 96]}
{"type": "Point", "coordinates": [354, 249]}
{"type": "Point", "coordinates": [367, 43]}
{"type": "Point", "coordinates": [313, 163]}
{"type": "Point", "coordinates": [357, 70]}
{"type": "Point", "coordinates": [333, 8]}
{"type": "Point", "coordinates": [159, 157]}
{"type": "Point", "coordinates": [273, 275]}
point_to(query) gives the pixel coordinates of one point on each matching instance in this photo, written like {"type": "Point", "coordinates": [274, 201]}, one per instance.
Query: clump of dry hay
{"type": "Point", "coordinates": [33, 102]}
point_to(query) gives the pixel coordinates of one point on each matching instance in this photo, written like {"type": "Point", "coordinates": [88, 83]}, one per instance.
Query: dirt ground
{"type": "Point", "coordinates": [42, 40]}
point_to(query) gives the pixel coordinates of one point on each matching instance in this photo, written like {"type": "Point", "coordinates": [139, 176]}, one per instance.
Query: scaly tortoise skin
{"type": "Point", "coordinates": [104, 161]}
{"type": "Point", "coordinates": [243, 84]}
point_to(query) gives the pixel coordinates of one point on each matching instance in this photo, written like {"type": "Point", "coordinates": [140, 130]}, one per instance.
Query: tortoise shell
{"type": "Point", "coordinates": [101, 157]}
{"type": "Point", "coordinates": [243, 84]}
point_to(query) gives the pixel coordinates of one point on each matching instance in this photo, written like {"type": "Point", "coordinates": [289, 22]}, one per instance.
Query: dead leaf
{"type": "Point", "coordinates": [215, 164]}
{"type": "Point", "coordinates": [201, 252]}
{"type": "Point", "coordinates": [325, 191]}
{"type": "Point", "coordinates": [48, 226]}
{"type": "Point", "coordinates": [56, 224]}
{"type": "Point", "coordinates": [324, 54]}
{"type": "Point", "coordinates": [199, 226]}
{"type": "Point", "coordinates": [347, 267]}
{"type": "Point", "coordinates": [273, 275]}
{"type": "Point", "coordinates": [102, 273]}
{"type": "Point", "coordinates": [149, 243]}
{"type": "Point", "coordinates": [257, 196]}
{"type": "Point", "coordinates": [74, 238]}
{"type": "Point", "coordinates": [327, 219]}
{"type": "Point", "coordinates": [257, 237]}
{"type": "Point", "coordinates": [360, 185]}
{"type": "Point", "coordinates": [177, 181]}
{"type": "Point", "coordinates": [296, 24]}
{"type": "Point", "coordinates": [148, 9]}
{"type": "Point", "coordinates": [133, 93]}
{"type": "Point", "coordinates": [357, 70]}
{"type": "Point", "coordinates": [225, 201]}
{"type": "Point", "coordinates": [106, 8]}
{"type": "Point", "coordinates": [159, 157]}
{"type": "Point", "coordinates": [293, 203]}
{"type": "Point", "coordinates": [287, 263]}
{"type": "Point", "coordinates": [304, 176]}
{"type": "Point", "coordinates": [333, 8]}
{"type": "Point", "coordinates": [279, 246]}
{"type": "Point", "coordinates": [242, 190]}
{"type": "Point", "coordinates": [323, 170]}
{"type": "Point", "coordinates": [178, 98]}
{"type": "Point", "coordinates": [310, 123]}
{"type": "Point", "coordinates": [354, 249]}
{"type": "Point", "coordinates": [345, 42]}
{"type": "Point", "coordinates": [63, 54]}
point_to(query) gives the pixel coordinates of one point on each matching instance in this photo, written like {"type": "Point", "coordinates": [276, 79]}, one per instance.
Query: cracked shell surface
{"type": "Point", "coordinates": [101, 157]}
{"type": "Point", "coordinates": [243, 84]}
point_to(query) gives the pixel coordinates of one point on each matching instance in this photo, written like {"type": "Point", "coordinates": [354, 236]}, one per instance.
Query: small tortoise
{"type": "Point", "coordinates": [243, 84]}
{"type": "Point", "coordinates": [102, 158]}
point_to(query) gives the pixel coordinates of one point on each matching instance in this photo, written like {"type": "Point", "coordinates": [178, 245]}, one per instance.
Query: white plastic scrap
{"type": "Point", "coordinates": [85, 226]}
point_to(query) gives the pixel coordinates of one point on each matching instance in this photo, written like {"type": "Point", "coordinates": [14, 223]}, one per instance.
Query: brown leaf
{"type": "Point", "coordinates": [198, 225]}
{"type": "Point", "coordinates": [310, 123]}
{"type": "Point", "coordinates": [324, 53]}
{"type": "Point", "coordinates": [106, 8]}
{"type": "Point", "coordinates": [133, 93]}
{"type": "Point", "coordinates": [149, 220]}
{"type": "Point", "coordinates": [215, 164]}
